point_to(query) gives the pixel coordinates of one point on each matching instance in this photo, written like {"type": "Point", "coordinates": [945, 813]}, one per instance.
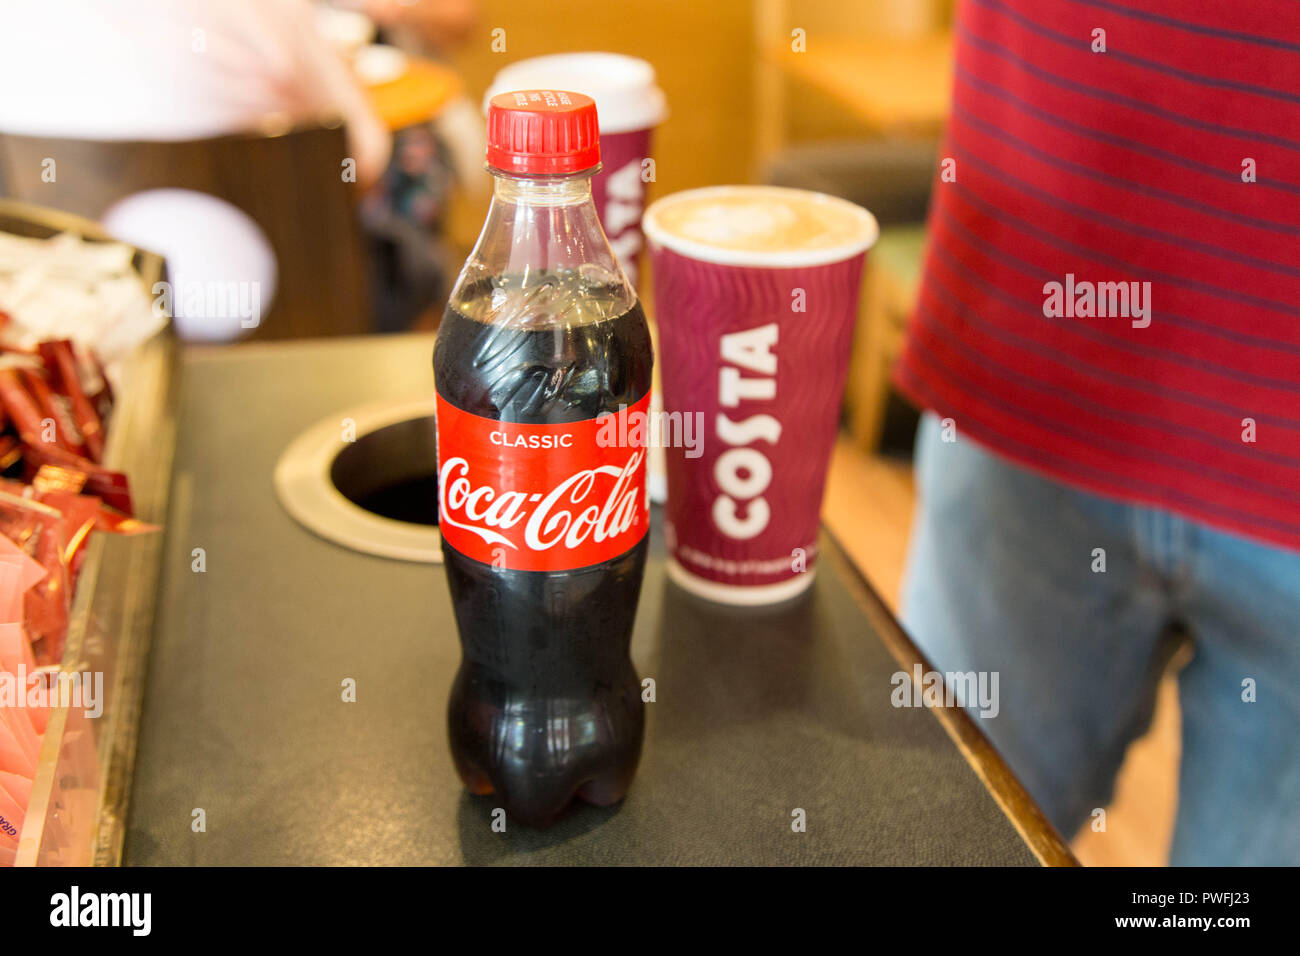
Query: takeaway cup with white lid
{"type": "Point", "coordinates": [755, 296]}
{"type": "Point", "coordinates": [629, 105]}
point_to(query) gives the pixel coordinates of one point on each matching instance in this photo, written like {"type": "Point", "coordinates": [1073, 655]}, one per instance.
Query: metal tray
{"type": "Point", "coordinates": [83, 775]}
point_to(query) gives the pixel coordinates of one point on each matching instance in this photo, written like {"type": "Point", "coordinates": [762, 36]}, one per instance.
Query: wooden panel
{"type": "Point", "coordinates": [892, 86]}
{"type": "Point", "coordinates": [289, 184]}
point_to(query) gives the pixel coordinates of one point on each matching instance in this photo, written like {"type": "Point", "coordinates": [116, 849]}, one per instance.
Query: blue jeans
{"type": "Point", "coordinates": [1001, 577]}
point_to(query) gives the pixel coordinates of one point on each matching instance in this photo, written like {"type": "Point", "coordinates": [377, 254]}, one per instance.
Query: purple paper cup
{"type": "Point", "coordinates": [619, 193]}
{"type": "Point", "coordinates": [756, 296]}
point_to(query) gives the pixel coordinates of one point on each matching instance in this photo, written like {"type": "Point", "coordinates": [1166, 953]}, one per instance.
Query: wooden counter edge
{"type": "Point", "coordinates": [1016, 803]}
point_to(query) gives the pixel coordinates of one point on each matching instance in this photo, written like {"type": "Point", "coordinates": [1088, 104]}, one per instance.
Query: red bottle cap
{"type": "Point", "coordinates": [542, 132]}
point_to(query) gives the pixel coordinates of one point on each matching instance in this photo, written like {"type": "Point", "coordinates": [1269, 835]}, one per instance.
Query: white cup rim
{"type": "Point", "coordinates": [765, 259]}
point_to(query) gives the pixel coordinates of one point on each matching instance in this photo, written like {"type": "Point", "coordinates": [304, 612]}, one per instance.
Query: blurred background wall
{"type": "Point", "coordinates": [716, 61]}
{"type": "Point", "coordinates": [700, 50]}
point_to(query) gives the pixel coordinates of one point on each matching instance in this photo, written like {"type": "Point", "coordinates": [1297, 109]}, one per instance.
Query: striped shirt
{"type": "Point", "coordinates": [1111, 292]}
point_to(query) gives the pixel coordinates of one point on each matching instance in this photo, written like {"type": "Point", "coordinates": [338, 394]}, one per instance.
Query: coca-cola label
{"type": "Point", "coordinates": [541, 497]}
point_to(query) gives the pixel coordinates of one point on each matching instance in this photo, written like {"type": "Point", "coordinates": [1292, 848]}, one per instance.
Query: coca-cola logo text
{"type": "Point", "coordinates": [567, 516]}
{"type": "Point", "coordinates": [538, 496]}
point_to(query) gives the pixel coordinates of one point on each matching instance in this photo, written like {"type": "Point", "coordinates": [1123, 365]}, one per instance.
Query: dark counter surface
{"type": "Point", "coordinates": [758, 712]}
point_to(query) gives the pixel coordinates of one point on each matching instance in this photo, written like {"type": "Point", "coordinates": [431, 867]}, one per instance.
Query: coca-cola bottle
{"type": "Point", "coordinates": [542, 369]}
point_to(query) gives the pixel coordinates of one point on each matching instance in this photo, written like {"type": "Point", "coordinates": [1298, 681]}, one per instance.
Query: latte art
{"type": "Point", "coordinates": [759, 219]}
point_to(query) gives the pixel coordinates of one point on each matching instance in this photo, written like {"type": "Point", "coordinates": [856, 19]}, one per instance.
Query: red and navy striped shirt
{"type": "Point", "coordinates": [1172, 158]}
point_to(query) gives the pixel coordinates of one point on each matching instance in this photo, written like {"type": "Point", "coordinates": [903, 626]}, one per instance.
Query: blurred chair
{"type": "Point", "coordinates": [288, 182]}
{"type": "Point", "coordinates": [886, 66]}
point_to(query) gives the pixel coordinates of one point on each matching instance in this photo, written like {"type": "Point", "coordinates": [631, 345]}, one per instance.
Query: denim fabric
{"type": "Point", "coordinates": [1000, 577]}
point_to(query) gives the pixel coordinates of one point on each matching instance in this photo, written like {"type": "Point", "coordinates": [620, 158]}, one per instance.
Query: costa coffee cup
{"type": "Point", "coordinates": [629, 105]}
{"type": "Point", "coordinates": [756, 296]}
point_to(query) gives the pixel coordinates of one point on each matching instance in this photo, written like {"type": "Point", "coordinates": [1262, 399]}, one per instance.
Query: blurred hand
{"type": "Point", "coordinates": [439, 23]}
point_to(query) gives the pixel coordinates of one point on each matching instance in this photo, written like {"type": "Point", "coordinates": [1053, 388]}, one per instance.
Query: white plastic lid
{"type": "Point", "coordinates": [623, 87]}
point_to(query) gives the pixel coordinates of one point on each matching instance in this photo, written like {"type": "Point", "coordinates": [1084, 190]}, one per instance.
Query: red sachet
{"type": "Point", "coordinates": [80, 516]}
{"type": "Point", "coordinates": [64, 371]}
{"type": "Point", "coordinates": [114, 522]}
{"type": "Point", "coordinates": [20, 406]}
{"type": "Point", "coordinates": [58, 487]}
{"type": "Point", "coordinates": [80, 513]}
{"type": "Point", "coordinates": [11, 449]}
{"type": "Point", "coordinates": [110, 486]}
{"type": "Point", "coordinates": [101, 393]}
{"type": "Point", "coordinates": [19, 488]}
{"type": "Point", "coordinates": [51, 478]}
{"type": "Point", "coordinates": [58, 478]}
{"type": "Point", "coordinates": [53, 409]}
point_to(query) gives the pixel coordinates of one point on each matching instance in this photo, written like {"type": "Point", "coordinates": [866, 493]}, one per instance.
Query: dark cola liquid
{"type": "Point", "coordinates": [546, 705]}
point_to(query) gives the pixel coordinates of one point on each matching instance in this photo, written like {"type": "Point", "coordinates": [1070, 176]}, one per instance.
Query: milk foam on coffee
{"type": "Point", "coordinates": [760, 222]}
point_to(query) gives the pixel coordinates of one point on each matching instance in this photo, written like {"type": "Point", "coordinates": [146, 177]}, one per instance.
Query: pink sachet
{"type": "Point", "coordinates": [13, 755]}
{"type": "Point", "coordinates": [11, 588]}
{"type": "Point", "coordinates": [18, 788]}
{"type": "Point", "coordinates": [15, 649]}
{"type": "Point", "coordinates": [32, 572]}
{"type": "Point", "coordinates": [16, 658]}
{"type": "Point", "coordinates": [11, 821]}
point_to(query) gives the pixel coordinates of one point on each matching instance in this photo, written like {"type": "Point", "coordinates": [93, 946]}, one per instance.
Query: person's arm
{"type": "Point", "coordinates": [325, 81]}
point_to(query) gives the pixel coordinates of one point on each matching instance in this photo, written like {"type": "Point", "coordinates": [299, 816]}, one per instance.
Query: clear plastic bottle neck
{"type": "Point", "coordinates": [542, 258]}
{"type": "Point", "coordinates": [542, 190]}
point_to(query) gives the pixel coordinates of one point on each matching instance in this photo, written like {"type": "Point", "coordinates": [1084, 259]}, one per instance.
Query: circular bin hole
{"type": "Point", "coordinates": [367, 479]}
{"type": "Point", "coordinates": [392, 472]}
